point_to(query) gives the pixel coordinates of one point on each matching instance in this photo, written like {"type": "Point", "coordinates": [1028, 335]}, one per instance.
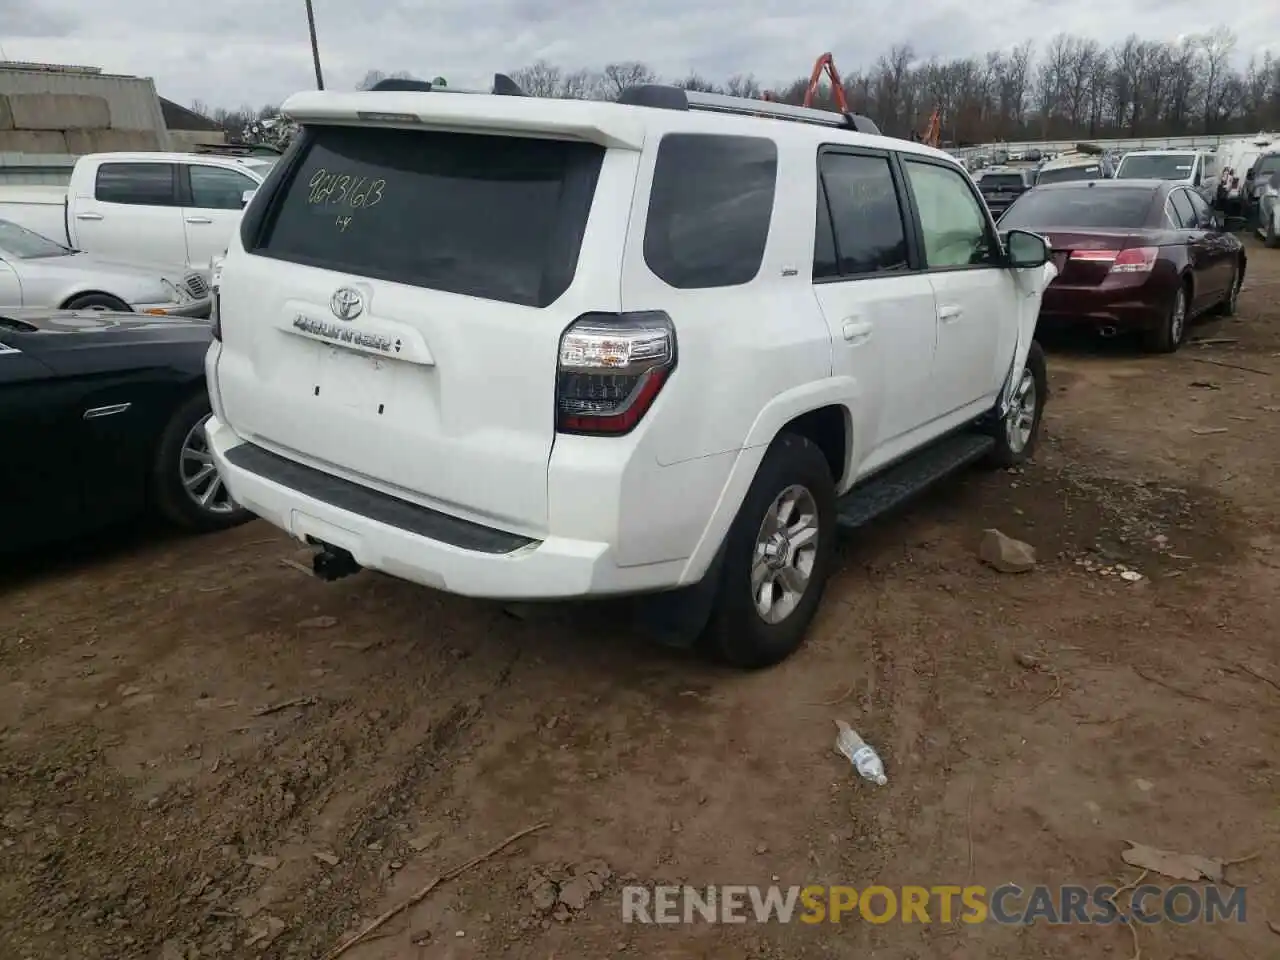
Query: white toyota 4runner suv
{"type": "Point", "coordinates": [530, 349]}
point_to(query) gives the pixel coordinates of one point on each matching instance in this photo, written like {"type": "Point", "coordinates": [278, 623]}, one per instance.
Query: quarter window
{"type": "Point", "coordinates": [709, 209]}
{"type": "Point", "coordinates": [953, 223]}
{"type": "Point", "coordinates": [1202, 216]}
{"type": "Point", "coordinates": [865, 225]}
{"type": "Point", "coordinates": [1184, 214]}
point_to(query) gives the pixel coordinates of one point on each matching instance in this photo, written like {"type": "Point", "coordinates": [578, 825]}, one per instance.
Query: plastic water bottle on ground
{"type": "Point", "coordinates": [861, 754]}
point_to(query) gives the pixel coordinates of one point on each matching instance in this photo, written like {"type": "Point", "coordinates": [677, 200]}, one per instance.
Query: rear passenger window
{"type": "Point", "coordinates": [142, 184]}
{"type": "Point", "coordinates": [869, 235]}
{"type": "Point", "coordinates": [709, 209]}
{"type": "Point", "coordinates": [953, 222]}
{"type": "Point", "coordinates": [1201, 214]}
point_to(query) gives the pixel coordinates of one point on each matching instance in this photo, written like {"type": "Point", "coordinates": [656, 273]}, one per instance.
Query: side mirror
{"type": "Point", "coordinates": [1026, 249]}
{"type": "Point", "coordinates": [1249, 175]}
{"type": "Point", "coordinates": [246, 197]}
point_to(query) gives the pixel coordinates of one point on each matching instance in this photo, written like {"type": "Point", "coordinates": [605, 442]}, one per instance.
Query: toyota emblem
{"type": "Point", "coordinates": [346, 303]}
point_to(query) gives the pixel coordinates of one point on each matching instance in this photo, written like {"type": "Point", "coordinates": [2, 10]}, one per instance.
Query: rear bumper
{"type": "Point", "coordinates": [1125, 308]}
{"type": "Point", "coordinates": [415, 543]}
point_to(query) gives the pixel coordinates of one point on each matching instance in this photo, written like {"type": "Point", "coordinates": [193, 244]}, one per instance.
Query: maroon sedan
{"type": "Point", "coordinates": [1141, 255]}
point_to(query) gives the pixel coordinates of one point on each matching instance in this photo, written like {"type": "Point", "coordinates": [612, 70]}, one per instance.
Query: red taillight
{"type": "Point", "coordinates": [611, 369]}
{"type": "Point", "coordinates": [1132, 260]}
{"type": "Point", "coordinates": [1095, 256]}
{"type": "Point", "coordinates": [1136, 260]}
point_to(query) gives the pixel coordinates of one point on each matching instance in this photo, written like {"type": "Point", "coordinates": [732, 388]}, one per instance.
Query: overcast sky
{"type": "Point", "coordinates": [229, 52]}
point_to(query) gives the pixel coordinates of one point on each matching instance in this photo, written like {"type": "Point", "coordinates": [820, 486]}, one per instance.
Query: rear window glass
{"type": "Point", "coordinates": [994, 180]}
{"type": "Point", "coordinates": [1081, 206]}
{"type": "Point", "coordinates": [1063, 174]}
{"type": "Point", "coordinates": [709, 209]}
{"type": "Point", "coordinates": [1173, 167]}
{"type": "Point", "coordinates": [500, 218]}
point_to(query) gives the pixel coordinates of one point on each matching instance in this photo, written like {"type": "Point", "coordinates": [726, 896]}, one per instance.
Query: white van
{"type": "Point", "coordinates": [1196, 168]}
{"type": "Point", "coordinates": [1235, 158]}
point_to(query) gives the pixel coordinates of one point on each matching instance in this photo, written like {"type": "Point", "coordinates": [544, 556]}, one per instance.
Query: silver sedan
{"type": "Point", "coordinates": [38, 272]}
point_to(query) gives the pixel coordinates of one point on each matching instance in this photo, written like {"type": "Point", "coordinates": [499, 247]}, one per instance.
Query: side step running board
{"type": "Point", "coordinates": [904, 480]}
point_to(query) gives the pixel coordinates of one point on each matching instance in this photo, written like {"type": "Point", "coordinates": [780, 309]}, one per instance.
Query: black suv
{"type": "Point", "coordinates": [1000, 187]}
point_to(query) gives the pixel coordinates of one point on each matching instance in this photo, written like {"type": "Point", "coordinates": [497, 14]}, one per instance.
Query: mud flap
{"type": "Point", "coordinates": [677, 618]}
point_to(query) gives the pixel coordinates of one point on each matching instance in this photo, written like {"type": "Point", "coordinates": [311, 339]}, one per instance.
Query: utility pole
{"type": "Point", "coordinates": [315, 47]}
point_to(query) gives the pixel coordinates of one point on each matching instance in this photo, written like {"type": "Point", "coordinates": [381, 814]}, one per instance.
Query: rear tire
{"type": "Point", "coordinates": [1168, 336]}
{"type": "Point", "coordinates": [1018, 431]}
{"type": "Point", "coordinates": [777, 557]}
{"type": "Point", "coordinates": [97, 301]}
{"type": "Point", "coordinates": [181, 477]}
{"type": "Point", "coordinates": [1227, 308]}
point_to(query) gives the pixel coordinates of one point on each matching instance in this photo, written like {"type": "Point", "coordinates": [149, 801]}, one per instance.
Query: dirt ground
{"type": "Point", "coordinates": [150, 808]}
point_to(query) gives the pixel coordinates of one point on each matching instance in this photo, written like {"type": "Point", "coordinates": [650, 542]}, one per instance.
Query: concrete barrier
{"type": "Point", "coordinates": [59, 111]}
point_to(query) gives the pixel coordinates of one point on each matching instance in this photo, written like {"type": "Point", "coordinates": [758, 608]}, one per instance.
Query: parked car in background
{"type": "Point", "coordinates": [1235, 158]}
{"type": "Point", "coordinates": [38, 272]}
{"type": "Point", "coordinates": [1088, 164]}
{"type": "Point", "coordinates": [1256, 182]}
{"type": "Point", "coordinates": [1135, 255]}
{"type": "Point", "coordinates": [1193, 168]}
{"type": "Point", "coordinates": [101, 418]}
{"type": "Point", "coordinates": [173, 211]}
{"type": "Point", "coordinates": [1268, 217]}
{"type": "Point", "coordinates": [1000, 186]}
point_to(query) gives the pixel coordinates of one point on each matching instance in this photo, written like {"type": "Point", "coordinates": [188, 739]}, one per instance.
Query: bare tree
{"type": "Point", "coordinates": [1216, 48]}
{"type": "Point", "coordinates": [743, 85]}
{"type": "Point", "coordinates": [619, 76]}
{"type": "Point", "coordinates": [540, 79]}
{"type": "Point", "coordinates": [1076, 88]}
{"type": "Point", "coordinates": [578, 85]}
{"type": "Point", "coordinates": [695, 81]}
{"type": "Point", "coordinates": [374, 77]}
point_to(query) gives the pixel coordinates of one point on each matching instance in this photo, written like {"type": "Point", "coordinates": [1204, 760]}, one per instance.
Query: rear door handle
{"type": "Point", "coordinates": [88, 216]}
{"type": "Point", "coordinates": [198, 220]}
{"type": "Point", "coordinates": [856, 331]}
{"type": "Point", "coordinates": [949, 314]}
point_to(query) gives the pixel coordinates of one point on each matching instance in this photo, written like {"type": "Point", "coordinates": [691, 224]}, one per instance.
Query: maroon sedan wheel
{"type": "Point", "coordinates": [1168, 336]}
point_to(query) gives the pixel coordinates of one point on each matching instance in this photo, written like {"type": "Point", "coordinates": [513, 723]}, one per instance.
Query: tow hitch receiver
{"type": "Point", "coordinates": [333, 563]}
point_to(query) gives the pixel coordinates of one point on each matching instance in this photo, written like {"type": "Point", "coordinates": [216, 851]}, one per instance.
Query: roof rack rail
{"type": "Point", "coordinates": [503, 86]}
{"type": "Point", "coordinates": [665, 97]}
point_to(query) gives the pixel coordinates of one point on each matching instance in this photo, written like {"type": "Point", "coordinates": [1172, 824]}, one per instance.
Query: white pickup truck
{"type": "Point", "coordinates": [167, 210]}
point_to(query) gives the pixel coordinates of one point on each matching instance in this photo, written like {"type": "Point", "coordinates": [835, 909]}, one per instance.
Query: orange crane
{"type": "Point", "coordinates": [932, 135]}
{"type": "Point", "coordinates": [824, 65]}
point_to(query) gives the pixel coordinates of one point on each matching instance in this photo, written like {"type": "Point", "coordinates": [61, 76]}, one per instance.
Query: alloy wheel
{"type": "Point", "coordinates": [785, 552]}
{"type": "Point", "coordinates": [200, 479]}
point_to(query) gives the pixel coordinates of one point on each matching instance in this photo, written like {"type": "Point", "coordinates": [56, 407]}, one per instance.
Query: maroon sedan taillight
{"type": "Point", "coordinates": [1132, 260]}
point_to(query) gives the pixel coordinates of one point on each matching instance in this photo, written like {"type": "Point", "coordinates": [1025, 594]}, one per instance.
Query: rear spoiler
{"type": "Point", "coordinates": [504, 110]}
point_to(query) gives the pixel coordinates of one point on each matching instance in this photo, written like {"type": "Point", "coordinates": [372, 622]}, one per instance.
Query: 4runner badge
{"type": "Point", "coordinates": [346, 304]}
